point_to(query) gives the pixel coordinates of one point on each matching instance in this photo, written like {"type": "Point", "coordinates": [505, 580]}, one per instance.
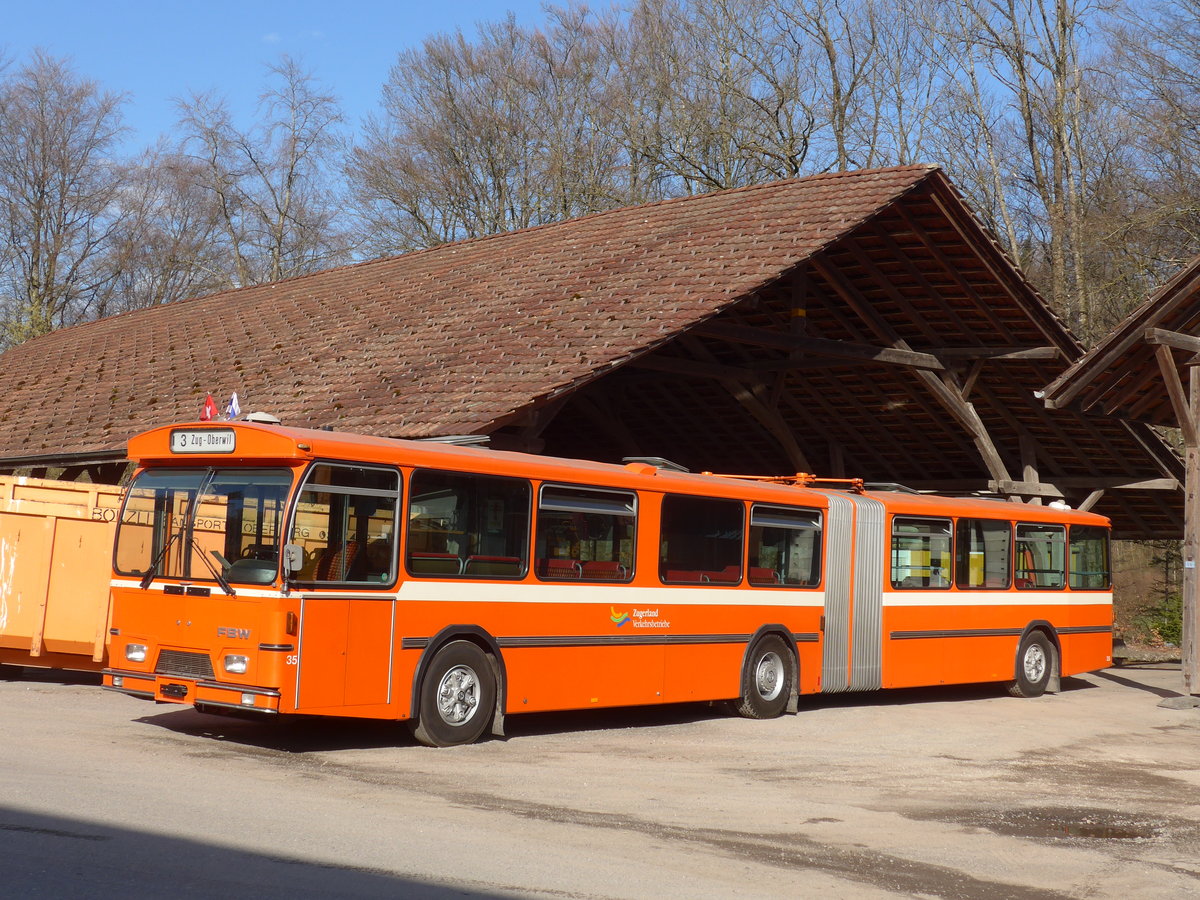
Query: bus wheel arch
{"type": "Point", "coordinates": [770, 675]}
{"type": "Point", "coordinates": [474, 653]}
{"type": "Point", "coordinates": [1037, 665]}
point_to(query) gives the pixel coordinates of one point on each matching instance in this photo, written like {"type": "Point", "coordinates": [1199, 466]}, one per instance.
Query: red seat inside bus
{"type": "Point", "coordinates": [559, 568]}
{"type": "Point", "coordinates": [600, 568]}
{"type": "Point", "coordinates": [335, 562]}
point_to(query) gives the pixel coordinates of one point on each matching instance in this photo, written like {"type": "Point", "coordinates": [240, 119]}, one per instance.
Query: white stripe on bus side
{"type": "Point", "coordinates": [997, 598]}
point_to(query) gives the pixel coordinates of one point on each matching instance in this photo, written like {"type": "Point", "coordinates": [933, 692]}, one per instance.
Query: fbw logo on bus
{"type": "Point", "coordinates": [240, 634]}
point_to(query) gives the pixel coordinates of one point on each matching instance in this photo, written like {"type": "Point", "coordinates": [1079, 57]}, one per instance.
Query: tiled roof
{"type": "Point", "coordinates": [1120, 377]}
{"type": "Point", "coordinates": [442, 341]}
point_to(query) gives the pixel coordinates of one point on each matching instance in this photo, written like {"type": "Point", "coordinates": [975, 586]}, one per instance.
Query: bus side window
{"type": "Point", "coordinates": [785, 546]}
{"type": "Point", "coordinates": [982, 555]}
{"type": "Point", "coordinates": [920, 553]}
{"type": "Point", "coordinates": [467, 525]}
{"type": "Point", "coordinates": [1041, 557]}
{"type": "Point", "coordinates": [1089, 570]}
{"type": "Point", "coordinates": [584, 534]}
{"type": "Point", "coordinates": [701, 540]}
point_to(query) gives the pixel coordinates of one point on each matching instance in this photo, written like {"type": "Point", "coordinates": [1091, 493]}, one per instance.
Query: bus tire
{"type": "Point", "coordinates": [767, 679]}
{"type": "Point", "coordinates": [1035, 659]}
{"type": "Point", "coordinates": [457, 696]}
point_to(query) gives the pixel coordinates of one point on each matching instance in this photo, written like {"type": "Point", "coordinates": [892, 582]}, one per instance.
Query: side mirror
{"type": "Point", "coordinates": [293, 558]}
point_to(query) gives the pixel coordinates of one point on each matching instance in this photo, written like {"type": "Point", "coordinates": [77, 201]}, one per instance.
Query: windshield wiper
{"type": "Point", "coordinates": [148, 577]}
{"type": "Point", "coordinates": [193, 544]}
{"type": "Point", "coordinates": [216, 573]}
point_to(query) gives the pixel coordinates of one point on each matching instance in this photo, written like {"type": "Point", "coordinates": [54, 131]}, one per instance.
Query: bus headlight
{"type": "Point", "coordinates": [235, 664]}
{"type": "Point", "coordinates": [135, 652]}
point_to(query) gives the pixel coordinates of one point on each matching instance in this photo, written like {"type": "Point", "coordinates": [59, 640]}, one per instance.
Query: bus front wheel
{"type": "Point", "coordinates": [1035, 659]}
{"type": "Point", "coordinates": [457, 696]}
{"type": "Point", "coordinates": [768, 679]}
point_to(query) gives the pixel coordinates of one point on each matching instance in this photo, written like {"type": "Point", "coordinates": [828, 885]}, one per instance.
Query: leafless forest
{"type": "Point", "coordinates": [1071, 126]}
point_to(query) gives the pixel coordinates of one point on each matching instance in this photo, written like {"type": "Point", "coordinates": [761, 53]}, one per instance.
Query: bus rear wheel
{"type": "Point", "coordinates": [768, 679]}
{"type": "Point", "coordinates": [457, 696]}
{"type": "Point", "coordinates": [1035, 658]}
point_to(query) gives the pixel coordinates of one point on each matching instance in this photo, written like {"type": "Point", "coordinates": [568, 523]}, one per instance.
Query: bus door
{"type": "Point", "coordinates": [345, 651]}
{"type": "Point", "coordinates": [852, 657]}
{"type": "Point", "coordinates": [345, 521]}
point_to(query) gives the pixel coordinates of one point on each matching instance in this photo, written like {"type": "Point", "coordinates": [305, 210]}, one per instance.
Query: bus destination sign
{"type": "Point", "coordinates": [202, 440]}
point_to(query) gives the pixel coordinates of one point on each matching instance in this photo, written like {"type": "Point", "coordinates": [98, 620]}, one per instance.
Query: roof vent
{"type": "Point", "coordinates": [657, 461]}
{"type": "Point", "coordinates": [890, 486]}
{"type": "Point", "coordinates": [261, 418]}
{"type": "Point", "coordinates": [460, 440]}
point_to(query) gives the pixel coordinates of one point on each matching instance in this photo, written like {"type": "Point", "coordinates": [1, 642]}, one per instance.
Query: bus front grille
{"type": "Point", "coordinates": [179, 662]}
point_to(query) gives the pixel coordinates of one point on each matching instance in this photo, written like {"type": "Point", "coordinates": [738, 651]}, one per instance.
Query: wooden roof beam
{"type": "Point", "coordinates": [931, 246]}
{"type": "Point", "coordinates": [776, 340]}
{"type": "Point", "coordinates": [950, 398]}
{"type": "Point", "coordinates": [1003, 271]}
{"type": "Point", "coordinates": [1004, 409]}
{"type": "Point", "coordinates": [885, 284]}
{"type": "Point", "coordinates": [772, 421]}
{"type": "Point", "coordinates": [918, 275]}
{"type": "Point", "coordinates": [767, 413]}
{"type": "Point", "coordinates": [1162, 337]}
{"type": "Point", "coordinates": [1137, 391]}
{"type": "Point", "coordinates": [948, 354]}
{"type": "Point", "coordinates": [1057, 486]}
{"type": "Point", "coordinates": [1176, 393]}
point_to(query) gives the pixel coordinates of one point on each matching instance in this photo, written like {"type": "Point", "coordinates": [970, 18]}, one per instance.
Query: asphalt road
{"type": "Point", "coordinates": [946, 793]}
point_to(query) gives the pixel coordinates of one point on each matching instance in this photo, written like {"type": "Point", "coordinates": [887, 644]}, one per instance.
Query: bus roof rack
{"type": "Point", "coordinates": [657, 461]}
{"type": "Point", "coordinates": [800, 479]}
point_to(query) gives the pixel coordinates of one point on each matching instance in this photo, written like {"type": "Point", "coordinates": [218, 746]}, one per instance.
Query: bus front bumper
{"type": "Point", "coordinates": [196, 692]}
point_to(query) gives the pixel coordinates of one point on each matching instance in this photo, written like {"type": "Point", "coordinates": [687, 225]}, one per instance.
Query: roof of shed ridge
{"type": "Point", "coordinates": [888, 173]}
{"type": "Point", "coordinates": [446, 339]}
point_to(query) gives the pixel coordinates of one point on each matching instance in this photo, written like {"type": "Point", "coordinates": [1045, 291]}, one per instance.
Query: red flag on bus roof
{"type": "Point", "coordinates": [209, 412]}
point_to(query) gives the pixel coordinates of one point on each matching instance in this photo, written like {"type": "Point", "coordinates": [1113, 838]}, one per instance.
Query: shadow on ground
{"type": "Point", "coordinates": [45, 856]}
{"type": "Point", "coordinates": [305, 734]}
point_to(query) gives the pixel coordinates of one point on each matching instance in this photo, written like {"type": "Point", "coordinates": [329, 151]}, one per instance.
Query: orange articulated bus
{"type": "Point", "coordinates": [272, 570]}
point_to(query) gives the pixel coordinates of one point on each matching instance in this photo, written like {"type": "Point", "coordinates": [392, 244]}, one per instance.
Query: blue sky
{"type": "Point", "coordinates": [154, 51]}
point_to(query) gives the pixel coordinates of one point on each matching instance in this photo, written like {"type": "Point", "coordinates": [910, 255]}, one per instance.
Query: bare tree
{"type": "Point", "coordinates": [273, 183]}
{"type": "Point", "coordinates": [845, 37]}
{"type": "Point", "coordinates": [448, 156]}
{"type": "Point", "coordinates": [514, 129]}
{"type": "Point", "coordinates": [58, 186]}
{"type": "Point", "coordinates": [905, 101]}
{"type": "Point", "coordinates": [1156, 58]}
{"type": "Point", "coordinates": [1028, 90]}
{"type": "Point", "coordinates": [169, 244]}
{"type": "Point", "coordinates": [742, 91]}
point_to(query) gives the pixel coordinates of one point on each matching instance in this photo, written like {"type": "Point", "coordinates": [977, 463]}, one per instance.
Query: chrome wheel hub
{"type": "Point", "coordinates": [458, 695]}
{"type": "Point", "coordinates": [769, 676]}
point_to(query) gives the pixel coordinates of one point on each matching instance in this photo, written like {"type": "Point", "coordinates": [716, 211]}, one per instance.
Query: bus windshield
{"type": "Point", "coordinates": [201, 523]}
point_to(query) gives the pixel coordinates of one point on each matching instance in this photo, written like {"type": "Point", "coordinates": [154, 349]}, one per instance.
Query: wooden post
{"type": "Point", "coordinates": [1191, 542]}
{"type": "Point", "coordinates": [1029, 470]}
{"type": "Point", "coordinates": [1187, 414]}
